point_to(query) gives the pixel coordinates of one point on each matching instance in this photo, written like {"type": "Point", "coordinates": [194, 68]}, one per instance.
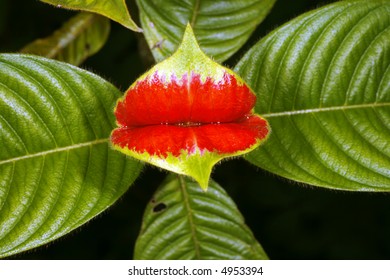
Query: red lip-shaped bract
{"type": "Point", "coordinates": [187, 113]}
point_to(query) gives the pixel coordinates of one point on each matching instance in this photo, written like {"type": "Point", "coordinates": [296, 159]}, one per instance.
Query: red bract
{"type": "Point", "coordinates": [154, 100]}
{"type": "Point", "coordinates": [159, 118]}
{"type": "Point", "coordinates": [187, 113]}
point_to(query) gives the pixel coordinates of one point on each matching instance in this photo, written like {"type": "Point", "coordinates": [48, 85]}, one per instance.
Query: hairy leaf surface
{"type": "Point", "coordinates": [323, 82]}
{"type": "Point", "coordinates": [221, 27]}
{"type": "Point", "coordinates": [184, 222]}
{"type": "Point", "coordinates": [57, 170]}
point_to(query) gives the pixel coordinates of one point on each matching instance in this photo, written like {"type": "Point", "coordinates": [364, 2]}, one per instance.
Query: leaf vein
{"type": "Point", "coordinates": [337, 50]}
{"type": "Point", "coordinates": [355, 71]}
{"type": "Point", "coordinates": [80, 191]}
{"type": "Point", "coordinates": [336, 144]}
{"type": "Point", "coordinates": [9, 188]}
{"type": "Point", "coordinates": [282, 59]}
{"type": "Point", "coordinates": [325, 109]}
{"type": "Point", "coordinates": [71, 91]}
{"type": "Point", "coordinates": [20, 215]}
{"type": "Point", "coordinates": [48, 213]}
{"type": "Point", "coordinates": [292, 160]}
{"type": "Point", "coordinates": [190, 217]}
{"type": "Point", "coordinates": [306, 63]}
{"type": "Point", "coordinates": [15, 133]}
{"type": "Point", "coordinates": [56, 150]}
{"type": "Point", "coordinates": [34, 112]}
{"type": "Point", "coordinates": [195, 12]}
{"type": "Point", "coordinates": [44, 89]}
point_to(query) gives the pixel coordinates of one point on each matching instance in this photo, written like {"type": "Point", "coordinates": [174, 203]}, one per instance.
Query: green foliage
{"type": "Point", "coordinates": [113, 9]}
{"type": "Point", "coordinates": [184, 222]}
{"type": "Point", "coordinates": [80, 37]}
{"type": "Point", "coordinates": [323, 83]}
{"type": "Point", "coordinates": [57, 169]}
{"type": "Point", "coordinates": [221, 27]}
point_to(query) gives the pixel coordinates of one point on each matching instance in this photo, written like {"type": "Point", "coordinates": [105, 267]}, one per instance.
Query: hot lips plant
{"type": "Point", "coordinates": [187, 113]}
{"type": "Point", "coordinates": [72, 143]}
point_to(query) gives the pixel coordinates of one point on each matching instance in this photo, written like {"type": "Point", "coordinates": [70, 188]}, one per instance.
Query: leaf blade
{"type": "Point", "coordinates": [184, 222]}
{"type": "Point", "coordinates": [221, 27]}
{"type": "Point", "coordinates": [319, 81]}
{"type": "Point", "coordinates": [114, 9]}
{"type": "Point", "coordinates": [57, 170]}
{"type": "Point", "coordinates": [80, 37]}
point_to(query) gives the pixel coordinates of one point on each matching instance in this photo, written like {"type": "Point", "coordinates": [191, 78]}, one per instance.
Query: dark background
{"type": "Point", "coordinates": [290, 220]}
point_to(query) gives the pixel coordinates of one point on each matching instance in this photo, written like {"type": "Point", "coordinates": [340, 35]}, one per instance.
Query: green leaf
{"type": "Point", "coordinates": [113, 9]}
{"type": "Point", "coordinates": [79, 38]}
{"type": "Point", "coordinates": [57, 170]}
{"type": "Point", "coordinates": [323, 82]}
{"type": "Point", "coordinates": [221, 27]}
{"type": "Point", "coordinates": [184, 222]}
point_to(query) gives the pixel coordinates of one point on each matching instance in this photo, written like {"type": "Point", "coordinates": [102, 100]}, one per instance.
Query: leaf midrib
{"type": "Point", "coordinates": [73, 33]}
{"type": "Point", "coordinates": [56, 150]}
{"type": "Point", "coordinates": [195, 13]}
{"type": "Point", "coordinates": [190, 214]}
{"type": "Point", "coordinates": [324, 109]}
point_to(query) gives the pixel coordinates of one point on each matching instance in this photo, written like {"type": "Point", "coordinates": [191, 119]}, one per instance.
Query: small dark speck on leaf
{"type": "Point", "coordinates": [159, 207]}
{"type": "Point", "coordinates": [158, 45]}
{"type": "Point", "coordinates": [87, 47]}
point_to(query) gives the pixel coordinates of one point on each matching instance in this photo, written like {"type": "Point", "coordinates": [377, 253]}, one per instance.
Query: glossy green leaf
{"type": "Point", "coordinates": [79, 38]}
{"type": "Point", "coordinates": [221, 27]}
{"type": "Point", "coordinates": [323, 83]}
{"type": "Point", "coordinates": [183, 222]}
{"type": "Point", "coordinates": [113, 9]}
{"type": "Point", "coordinates": [57, 169]}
